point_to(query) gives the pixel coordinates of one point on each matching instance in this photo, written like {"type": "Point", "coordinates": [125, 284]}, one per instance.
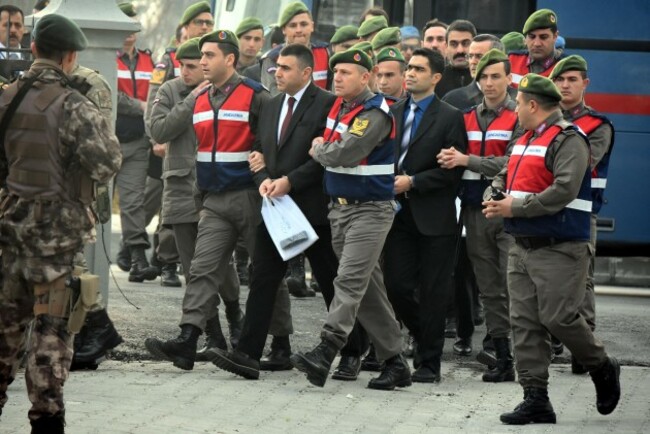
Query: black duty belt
{"type": "Point", "coordinates": [347, 201]}
{"type": "Point", "coordinates": [538, 242]}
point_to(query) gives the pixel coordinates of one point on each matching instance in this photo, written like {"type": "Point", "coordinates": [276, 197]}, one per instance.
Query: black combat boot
{"type": "Point", "coordinates": [535, 408]}
{"type": "Point", "coordinates": [169, 276]}
{"type": "Point", "coordinates": [214, 338]}
{"type": "Point", "coordinates": [504, 370]}
{"type": "Point", "coordinates": [370, 362]}
{"type": "Point", "coordinates": [608, 386]}
{"type": "Point", "coordinates": [241, 261]}
{"type": "Point", "coordinates": [396, 373]}
{"type": "Point", "coordinates": [296, 278]}
{"type": "Point", "coordinates": [140, 268]}
{"type": "Point", "coordinates": [98, 337]}
{"type": "Point", "coordinates": [123, 258]}
{"type": "Point", "coordinates": [348, 368]}
{"type": "Point", "coordinates": [278, 358]}
{"type": "Point", "coordinates": [53, 424]}
{"type": "Point", "coordinates": [316, 363]}
{"type": "Point", "coordinates": [181, 350]}
{"type": "Point", "coordinates": [235, 318]}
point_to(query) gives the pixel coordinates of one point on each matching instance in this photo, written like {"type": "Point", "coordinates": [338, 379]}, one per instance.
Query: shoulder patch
{"type": "Point", "coordinates": [255, 85]}
{"type": "Point", "coordinates": [157, 77]}
{"type": "Point", "coordinates": [359, 127]}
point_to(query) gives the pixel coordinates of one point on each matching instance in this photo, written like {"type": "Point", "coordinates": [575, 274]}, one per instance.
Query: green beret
{"type": "Point", "coordinates": [220, 36]}
{"type": "Point", "coordinates": [248, 24]}
{"type": "Point", "coordinates": [344, 34]}
{"type": "Point", "coordinates": [189, 49]}
{"type": "Point", "coordinates": [490, 58]}
{"type": "Point", "coordinates": [193, 10]}
{"type": "Point", "coordinates": [291, 11]}
{"type": "Point", "coordinates": [571, 63]}
{"type": "Point", "coordinates": [364, 46]}
{"type": "Point", "coordinates": [128, 9]}
{"type": "Point", "coordinates": [56, 32]}
{"type": "Point", "coordinates": [541, 19]}
{"type": "Point", "coordinates": [372, 25]}
{"type": "Point", "coordinates": [355, 56]}
{"type": "Point", "coordinates": [385, 37]}
{"type": "Point", "coordinates": [538, 85]}
{"type": "Point", "coordinates": [513, 41]}
{"type": "Point", "coordinates": [389, 53]}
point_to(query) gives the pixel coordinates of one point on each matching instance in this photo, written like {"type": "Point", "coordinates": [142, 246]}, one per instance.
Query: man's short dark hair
{"type": "Point", "coordinates": [277, 37]}
{"type": "Point", "coordinates": [375, 12]}
{"type": "Point", "coordinates": [227, 49]}
{"type": "Point", "coordinates": [435, 59]}
{"type": "Point", "coordinates": [545, 102]}
{"type": "Point", "coordinates": [303, 54]}
{"type": "Point", "coordinates": [495, 41]}
{"type": "Point", "coordinates": [434, 23]}
{"type": "Point", "coordinates": [12, 10]}
{"type": "Point", "coordinates": [460, 26]}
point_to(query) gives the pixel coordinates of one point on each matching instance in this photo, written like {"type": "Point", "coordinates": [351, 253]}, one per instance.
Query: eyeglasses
{"type": "Point", "coordinates": [199, 22]}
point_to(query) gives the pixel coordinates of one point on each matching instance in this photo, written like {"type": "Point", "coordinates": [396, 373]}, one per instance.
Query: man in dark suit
{"type": "Point", "coordinates": [419, 252]}
{"type": "Point", "coordinates": [282, 165]}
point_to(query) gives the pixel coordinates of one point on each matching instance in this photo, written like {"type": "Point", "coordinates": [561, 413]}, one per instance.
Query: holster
{"type": "Point", "coordinates": [85, 288]}
{"type": "Point", "coordinates": [58, 297]}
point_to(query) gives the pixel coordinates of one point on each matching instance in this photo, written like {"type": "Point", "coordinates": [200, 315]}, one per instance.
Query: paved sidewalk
{"type": "Point", "coordinates": [153, 397]}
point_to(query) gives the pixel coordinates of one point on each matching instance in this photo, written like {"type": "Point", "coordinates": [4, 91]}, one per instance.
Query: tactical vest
{"type": "Point", "coordinates": [587, 123]}
{"type": "Point", "coordinates": [224, 145]}
{"type": "Point", "coordinates": [373, 178]}
{"type": "Point", "coordinates": [321, 66]}
{"type": "Point", "coordinates": [519, 67]}
{"type": "Point", "coordinates": [528, 174]}
{"type": "Point", "coordinates": [36, 170]}
{"type": "Point", "coordinates": [135, 85]}
{"type": "Point", "coordinates": [492, 142]}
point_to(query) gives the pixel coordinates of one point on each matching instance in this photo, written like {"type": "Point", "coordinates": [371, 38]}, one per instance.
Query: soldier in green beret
{"type": "Point", "coordinates": [390, 66]}
{"type": "Point", "coordinates": [363, 134]}
{"type": "Point", "coordinates": [388, 37]}
{"type": "Point", "coordinates": [366, 47]}
{"type": "Point", "coordinates": [230, 204]}
{"type": "Point", "coordinates": [540, 55]}
{"type": "Point", "coordinates": [547, 207]}
{"type": "Point", "coordinates": [46, 223]}
{"type": "Point", "coordinates": [571, 79]}
{"type": "Point", "coordinates": [250, 33]}
{"type": "Point", "coordinates": [513, 41]}
{"type": "Point", "coordinates": [344, 38]}
{"type": "Point", "coordinates": [297, 27]}
{"type": "Point", "coordinates": [370, 27]}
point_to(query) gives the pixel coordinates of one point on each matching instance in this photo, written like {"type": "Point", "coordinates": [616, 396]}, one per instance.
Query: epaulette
{"type": "Point", "coordinates": [255, 85]}
{"type": "Point", "coordinates": [274, 53]}
{"type": "Point", "coordinates": [525, 52]}
{"type": "Point", "coordinates": [319, 44]}
{"type": "Point", "coordinates": [469, 109]}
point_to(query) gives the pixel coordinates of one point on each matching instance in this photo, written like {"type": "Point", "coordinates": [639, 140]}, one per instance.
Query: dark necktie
{"type": "Point", "coordinates": [287, 119]}
{"type": "Point", "coordinates": [406, 137]}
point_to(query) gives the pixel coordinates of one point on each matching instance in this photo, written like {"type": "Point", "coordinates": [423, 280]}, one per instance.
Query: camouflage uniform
{"type": "Point", "coordinates": [39, 238]}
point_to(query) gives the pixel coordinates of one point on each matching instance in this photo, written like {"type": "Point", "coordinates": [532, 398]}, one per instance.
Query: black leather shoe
{"type": "Point", "coordinates": [463, 347]}
{"type": "Point", "coordinates": [396, 373]}
{"type": "Point", "coordinates": [608, 386]}
{"type": "Point", "coordinates": [487, 358]}
{"type": "Point", "coordinates": [535, 408]}
{"type": "Point", "coordinates": [504, 369]}
{"type": "Point", "coordinates": [348, 368]}
{"type": "Point", "coordinates": [276, 360]}
{"type": "Point", "coordinates": [370, 362]}
{"type": "Point", "coordinates": [236, 362]}
{"type": "Point", "coordinates": [169, 276]}
{"type": "Point", "coordinates": [181, 350]}
{"type": "Point", "coordinates": [426, 374]}
{"type": "Point", "coordinates": [450, 328]}
{"type": "Point", "coordinates": [577, 368]}
{"type": "Point", "coordinates": [140, 268]}
{"type": "Point", "coordinates": [296, 278]}
{"type": "Point", "coordinates": [316, 363]}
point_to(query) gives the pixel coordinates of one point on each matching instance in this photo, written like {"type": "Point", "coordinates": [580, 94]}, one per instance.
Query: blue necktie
{"type": "Point", "coordinates": [406, 137]}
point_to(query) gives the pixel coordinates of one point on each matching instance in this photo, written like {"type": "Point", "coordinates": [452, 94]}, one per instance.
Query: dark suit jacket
{"type": "Point", "coordinates": [432, 200]}
{"type": "Point", "coordinates": [291, 157]}
{"type": "Point", "coordinates": [469, 96]}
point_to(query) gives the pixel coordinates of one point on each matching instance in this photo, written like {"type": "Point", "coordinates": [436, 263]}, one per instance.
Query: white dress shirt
{"type": "Point", "coordinates": [285, 107]}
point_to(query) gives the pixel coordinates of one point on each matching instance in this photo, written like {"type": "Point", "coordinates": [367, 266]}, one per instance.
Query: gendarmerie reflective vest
{"type": "Point", "coordinates": [374, 177]}
{"type": "Point", "coordinates": [321, 62]}
{"type": "Point", "coordinates": [491, 142]}
{"type": "Point", "coordinates": [588, 123]}
{"type": "Point", "coordinates": [528, 174]}
{"type": "Point", "coordinates": [135, 85]}
{"type": "Point", "coordinates": [225, 143]}
{"type": "Point", "coordinates": [519, 66]}
{"type": "Point", "coordinates": [36, 170]}
{"type": "Point", "coordinates": [176, 63]}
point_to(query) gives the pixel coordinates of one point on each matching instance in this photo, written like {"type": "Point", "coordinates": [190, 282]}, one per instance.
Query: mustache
{"type": "Point", "coordinates": [460, 55]}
